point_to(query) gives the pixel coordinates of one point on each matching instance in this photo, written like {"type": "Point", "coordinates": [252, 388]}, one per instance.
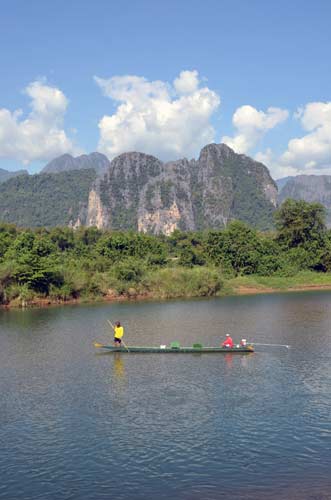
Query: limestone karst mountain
{"type": "Point", "coordinates": [66, 162]}
{"type": "Point", "coordinates": [139, 192]}
{"type": "Point", "coordinates": [311, 188]}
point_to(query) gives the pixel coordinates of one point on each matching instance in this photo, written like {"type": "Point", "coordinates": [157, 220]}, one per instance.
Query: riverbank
{"type": "Point", "coordinates": [303, 281]}
{"type": "Point", "coordinates": [189, 284]}
{"type": "Point", "coordinates": [61, 266]}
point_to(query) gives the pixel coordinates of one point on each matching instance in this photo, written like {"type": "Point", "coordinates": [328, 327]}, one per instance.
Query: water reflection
{"type": "Point", "coordinates": [118, 367]}
{"type": "Point", "coordinates": [228, 360]}
{"type": "Point", "coordinates": [244, 360]}
{"type": "Point", "coordinates": [118, 384]}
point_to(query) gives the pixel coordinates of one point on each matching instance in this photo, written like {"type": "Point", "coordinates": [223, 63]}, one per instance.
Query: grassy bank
{"type": "Point", "coordinates": [175, 282]}
{"type": "Point", "coordinates": [304, 280]}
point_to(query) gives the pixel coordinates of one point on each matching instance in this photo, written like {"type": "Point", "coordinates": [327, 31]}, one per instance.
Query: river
{"type": "Point", "coordinates": [77, 424]}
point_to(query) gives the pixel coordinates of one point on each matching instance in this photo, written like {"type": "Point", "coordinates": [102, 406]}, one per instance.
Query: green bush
{"type": "Point", "coordinates": [269, 265]}
{"type": "Point", "coordinates": [156, 260]}
{"type": "Point", "coordinates": [3, 295]}
{"type": "Point", "coordinates": [75, 279]}
{"type": "Point", "coordinates": [128, 270]}
{"type": "Point", "coordinates": [22, 293]}
{"type": "Point", "coordinates": [63, 292]}
{"type": "Point", "coordinates": [179, 282]}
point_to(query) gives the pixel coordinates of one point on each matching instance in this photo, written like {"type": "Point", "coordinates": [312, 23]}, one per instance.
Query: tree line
{"type": "Point", "coordinates": [62, 263]}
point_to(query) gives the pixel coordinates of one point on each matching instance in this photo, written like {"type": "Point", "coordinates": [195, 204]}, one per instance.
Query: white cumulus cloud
{"type": "Point", "coordinates": [277, 170]}
{"type": "Point", "coordinates": [312, 152]}
{"type": "Point", "coordinates": [39, 136]}
{"type": "Point", "coordinates": [155, 117]}
{"type": "Point", "coordinates": [252, 125]}
{"type": "Point", "coordinates": [187, 82]}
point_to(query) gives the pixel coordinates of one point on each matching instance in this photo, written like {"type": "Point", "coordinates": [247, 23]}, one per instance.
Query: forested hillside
{"type": "Point", "coordinates": [7, 174]}
{"type": "Point", "coordinates": [46, 199]}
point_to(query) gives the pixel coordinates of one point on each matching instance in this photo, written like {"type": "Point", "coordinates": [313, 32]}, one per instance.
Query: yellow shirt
{"type": "Point", "coordinates": [118, 332]}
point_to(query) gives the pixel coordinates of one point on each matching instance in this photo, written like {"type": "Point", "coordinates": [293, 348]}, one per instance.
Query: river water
{"type": "Point", "coordinates": [77, 424]}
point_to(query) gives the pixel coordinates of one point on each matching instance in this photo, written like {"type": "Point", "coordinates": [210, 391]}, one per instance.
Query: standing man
{"type": "Point", "coordinates": [118, 334]}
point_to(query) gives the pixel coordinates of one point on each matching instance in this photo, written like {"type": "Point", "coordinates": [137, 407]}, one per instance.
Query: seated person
{"type": "Point", "coordinates": [228, 342]}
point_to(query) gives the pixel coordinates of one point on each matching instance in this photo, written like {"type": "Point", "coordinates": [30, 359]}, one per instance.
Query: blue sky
{"type": "Point", "coordinates": [250, 56]}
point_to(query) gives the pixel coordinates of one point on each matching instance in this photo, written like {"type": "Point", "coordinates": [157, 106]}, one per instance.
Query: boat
{"type": "Point", "coordinates": [176, 349]}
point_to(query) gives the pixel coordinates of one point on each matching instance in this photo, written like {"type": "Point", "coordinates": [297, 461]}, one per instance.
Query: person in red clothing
{"type": "Point", "coordinates": [228, 342]}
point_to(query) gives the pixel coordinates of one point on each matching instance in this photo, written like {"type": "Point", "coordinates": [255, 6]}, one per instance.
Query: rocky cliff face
{"type": "Point", "coordinates": [139, 192]}
{"type": "Point", "coordinates": [282, 182]}
{"type": "Point", "coordinates": [311, 188]}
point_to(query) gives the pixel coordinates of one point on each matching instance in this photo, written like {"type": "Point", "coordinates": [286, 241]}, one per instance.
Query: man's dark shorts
{"type": "Point", "coordinates": [117, 341]}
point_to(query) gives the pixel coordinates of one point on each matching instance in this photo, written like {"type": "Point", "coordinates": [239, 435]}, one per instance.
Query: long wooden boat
{"type": "Point", "coordinates": [176, 350]}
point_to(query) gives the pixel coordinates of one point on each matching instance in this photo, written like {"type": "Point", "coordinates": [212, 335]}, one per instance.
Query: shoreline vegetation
{"type": "Point", "coordinates": [60, 265]}
{"type": "Point", "coordinates": [243, 285]}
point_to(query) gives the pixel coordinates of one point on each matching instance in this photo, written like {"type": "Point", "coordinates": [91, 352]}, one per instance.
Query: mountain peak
{"type": "Point", "coordinates": [134, 155]}
{"type": "Point", "coordinates": [217, 150]}
{"type": "Point", "coordinates": [66, 162]}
